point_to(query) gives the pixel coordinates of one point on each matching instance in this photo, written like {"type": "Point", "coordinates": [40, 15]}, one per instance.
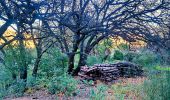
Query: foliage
{"type": "Point", "coordinates": [99, 93]}
{"type": "Point", "coordinates": [13, 58]}
{"type": "Point", "coordinates": [91, 60]}
{"type": "Point", "coordinates": [146, 58]}
{"type": "Point", "coordinates": [118, 55]}
{"type": "Point", "coordinates": [62, 84]}
{"type": "Point", "coordinates": [76, 61]}
{"type": "Point", "coordinates": [10, 82]}
{"type": "Point", "coordinates": [5, 80]}
{"type": "Point", "coordinates": [123, 46]}
{"type": "Point", "coordinates": [88, 82]}
{"type": "Point", "coordinates": [13, 88]}
{"type": "Point", "coordinates": [53, 63]}
{"type": "Point", "coordinates": [31, 81]}
{"type": "Point", "coordinates": [130, 56]}
{"type": "Point", "coordinates": [10, 61]}
{"type": "Point", "coordinates": [164, 56]}
{"type": "Point", "coordinates": [157, 86]}
{"type": "Point", "coordinates": [17, 88]}
{"type": "Point", "coordinates": [162, 68]}
{"type": "Point", "coordinates": [52, 73]}
{"type": "Point", "coordinates": [103, 49]}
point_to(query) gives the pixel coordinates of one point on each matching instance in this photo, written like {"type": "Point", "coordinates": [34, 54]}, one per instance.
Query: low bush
{"type": "Point", "coordinates": [10, 82]}
{"type": "Point", "coordinates": [91, 60]}
{"type": "Point", "coordinates": [13, 89]}
{"type": "Point", "coordinates": [118, 55]}
{"type": "Point", "coordinates": [99, 93]}
{"type": "Point", "coordinates": [130, 56]}
{"type": "Point", "coordinates": [5, 81]}
{"type": "Point", "coordinates": [17, 88]}
{"type": "Point", "coordinates": [62, 84]}
{"type": "Point", "coordinates": [52, 63]}
{"type": "Point", "coordinates": [146, 58]}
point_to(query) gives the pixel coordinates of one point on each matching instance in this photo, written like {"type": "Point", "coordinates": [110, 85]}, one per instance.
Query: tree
{"type": "Point", "coordinates": [80, 25]}
{"type": "Point", "coordinates": [25, 17]}
{"type": "Point", "coordinates": [42, 43]}
{"type": "Point", "coordinates": [19, 15]}
{"type": "Point", "coordinates": [15, 13]}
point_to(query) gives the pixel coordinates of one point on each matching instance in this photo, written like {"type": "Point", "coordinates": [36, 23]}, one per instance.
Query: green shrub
{"type": "Point", "coordinates": [157, 86]}
{"type": "Point", "coordinates": [62, 84]}
{"type": "Point", "coordinates": [129, 56]}
{"type": "Point", "coordinates": [53, 63]}
{"type": "Point", "coordinates": [91, 60]}
{"type": "Point", "coordinates": [118, 55]}
{"type": "Point", "coordinates": [91, 82]}
{"type": "Point", "coordinates": [10, 83]}
{"type": "Point", "coordinates": [99, 93]}
{"type": "Point", "coordinates": [146, 58]}
{"type": "Point", "coordinates": [31, 81]}
{"type": "Point", "coordinates": [164, 56]}
{"type": "Point", "coordinates": [17, 88]}
{"type": "Point", "coordinates": [5, 81]}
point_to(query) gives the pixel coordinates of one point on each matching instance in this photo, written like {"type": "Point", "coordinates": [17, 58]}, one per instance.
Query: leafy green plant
{"type": "Point", "coordinates": [88, 82]}
{"type": "Point", "coordinates": [130, 56]}
{"type": "Point", "coordinates": [162, 68]}
{"type": "Point", "coordinates": [10, 82]}
{"type": "Point", "coordinates": [99, 93]}
{"type": "Point", "coordinates": [120, 96]}
{"type": "Point", "coordinates": [91, 60]}
{"type": "Point", "coordinates": [53, 63]}
{"type": "Point", "coordinates": [146, 58]}
{"type": "Point", "coordinates": [31, 81]}
{"type": "Point", "coordinates": [62, 84]}
{"type": "Point", "coordinates": [118, 55]}
{"type": "Point", "coordinates": [5, 80]}
{"type": "Point", "coordinates": [17, 88]}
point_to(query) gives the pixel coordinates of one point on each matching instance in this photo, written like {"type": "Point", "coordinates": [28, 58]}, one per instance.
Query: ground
{"type": "Point", "coordinates": [125, 87]}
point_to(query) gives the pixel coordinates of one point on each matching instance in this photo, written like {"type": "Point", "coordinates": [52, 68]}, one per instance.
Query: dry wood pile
{"type": "Point", "coordinates": [109, 72]}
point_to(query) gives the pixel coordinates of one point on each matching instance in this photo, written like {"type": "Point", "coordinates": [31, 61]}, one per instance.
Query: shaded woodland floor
{"type": "Point", "coordinates": [121, 86]}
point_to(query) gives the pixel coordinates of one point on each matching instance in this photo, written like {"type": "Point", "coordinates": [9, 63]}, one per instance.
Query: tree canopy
{"type": "Point", "coordinates": [77, 26]}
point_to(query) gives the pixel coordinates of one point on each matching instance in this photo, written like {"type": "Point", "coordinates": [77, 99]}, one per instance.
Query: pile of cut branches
{"type": "Point", "coordinates": [109, 72]}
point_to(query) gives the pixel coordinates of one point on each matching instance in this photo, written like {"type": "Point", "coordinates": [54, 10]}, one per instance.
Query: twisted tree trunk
{"type": "Point", "coordinates": [36, 65]}
{"type": "Point", "coordinates": [71, 63]}
{"type": "Point", "coordinates": [82, 62]}
{"type": "Point", "coordinates": [38, 59]}
{"type": "Point", "coordinates": [23, 63]}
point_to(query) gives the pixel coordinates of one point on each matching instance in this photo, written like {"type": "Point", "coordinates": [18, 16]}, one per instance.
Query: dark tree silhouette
{"type": "Point", "coordinates": [80, 25]}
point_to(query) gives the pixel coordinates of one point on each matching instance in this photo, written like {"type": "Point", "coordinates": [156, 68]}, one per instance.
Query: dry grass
{"type": "Point", "coordinates": [126, 89]}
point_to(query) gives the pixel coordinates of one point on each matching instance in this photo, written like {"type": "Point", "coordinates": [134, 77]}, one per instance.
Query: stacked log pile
{"type": "Point", "coordinates": [109, 72]}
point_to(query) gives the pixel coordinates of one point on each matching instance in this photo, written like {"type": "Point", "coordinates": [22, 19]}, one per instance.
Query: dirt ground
{"type": "Point", "coordinates": [84, 91]}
